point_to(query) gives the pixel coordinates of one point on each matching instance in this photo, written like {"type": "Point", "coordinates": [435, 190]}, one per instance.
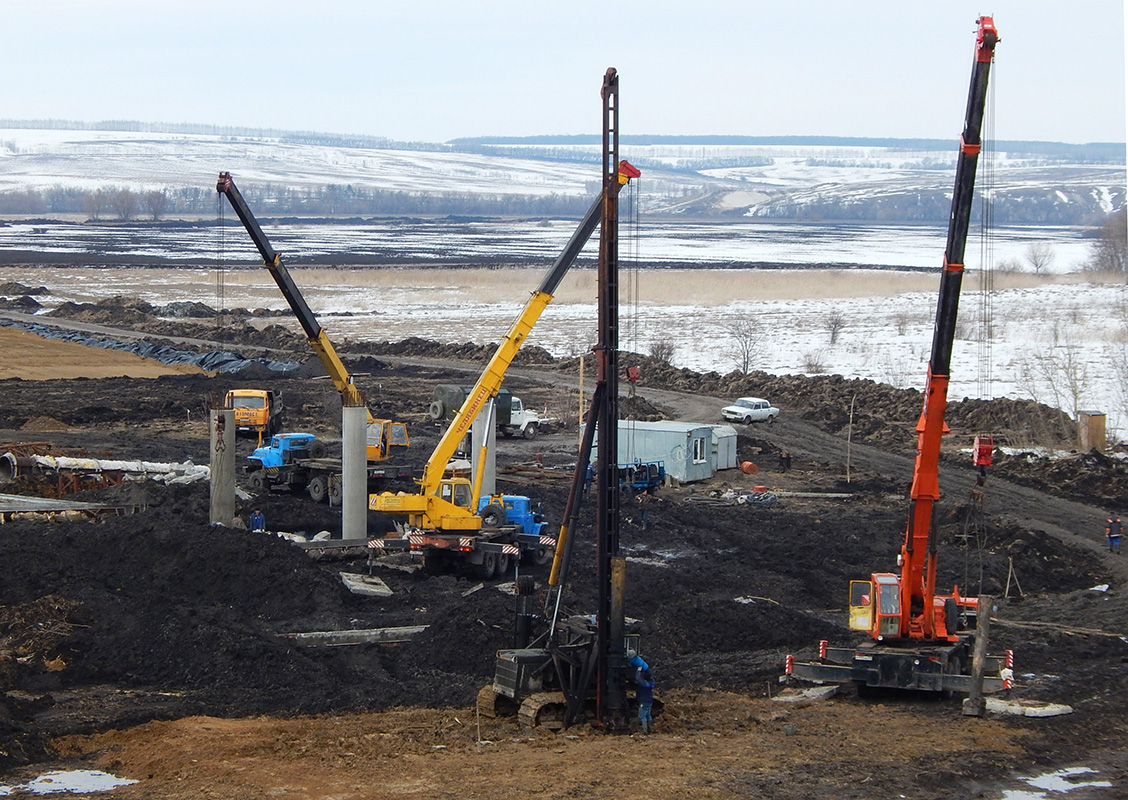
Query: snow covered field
{"type": "Point", "coordinates": [1057, 340]}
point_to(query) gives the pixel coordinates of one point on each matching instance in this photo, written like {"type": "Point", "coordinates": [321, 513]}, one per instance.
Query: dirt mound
{"type": "Point", "coordinates": [44, 424]}
{"type": "Point", "coordinates": [117, 310]}
{"type": "Point", "coordinates": [14, 288]}
{"type": "Point", "coordinates": [24, 303]}
{"type": "Point", "coordinates": [1094, 477]}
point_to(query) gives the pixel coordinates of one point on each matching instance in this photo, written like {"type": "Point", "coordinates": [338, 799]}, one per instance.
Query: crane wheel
{"type": "Point", "coordinates": [436, 410]}
{"type": "Point", "coordinates": [951, 615]}
{"type": "Point", "coordinates": [541, 555]}
{"type": "Point", "coordinates": [488, 568]}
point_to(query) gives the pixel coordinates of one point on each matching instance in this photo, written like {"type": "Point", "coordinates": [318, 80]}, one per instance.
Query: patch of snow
{"type": "Point", "coordinates": [72, 781]}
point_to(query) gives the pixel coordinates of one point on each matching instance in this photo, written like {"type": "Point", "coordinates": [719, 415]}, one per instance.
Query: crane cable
{"type": "Point", "coordinates": [985, 376]}
{"type": "Point", "coordinates": [975, 521]}
{"type": "Point", "coordinates": [632, 326]}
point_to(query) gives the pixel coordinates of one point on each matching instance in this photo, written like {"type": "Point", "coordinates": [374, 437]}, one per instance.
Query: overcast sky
{"type": "Point", "coordinates": [434, 70]}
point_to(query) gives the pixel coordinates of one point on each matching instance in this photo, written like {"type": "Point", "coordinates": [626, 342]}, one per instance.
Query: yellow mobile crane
{"type": "Point", "coordinates": [384, 436]}
{"type": "Point", "coordinates": [447, 509]}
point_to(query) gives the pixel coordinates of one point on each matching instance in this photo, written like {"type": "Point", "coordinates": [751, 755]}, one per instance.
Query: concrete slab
{"type": "Point", "coordinates": [357, 636]}
{"type": "Point", "coordinates": [368, 585]}
{"type": "Point", "coordinates": [1027, 708]}
{"type": "Point", "coordinates": [810, 694]}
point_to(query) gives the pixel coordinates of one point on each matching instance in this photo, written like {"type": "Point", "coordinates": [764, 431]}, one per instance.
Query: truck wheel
{"type": "Point", "coordinates": [436, 410]}
{"type": "Point", "coordinates": [507, 432]}
{"type": "Point", "coordinates": [530, 431]}
{"type": "Point", "coordinates": [493, 516]}
{"type": "Point", "coordinates": [502, 565]}
{"type": "Point", "coordinates": [488, 566]}
{"type": "Point", "coordinates": [335, 492]}
{"type": "Point", "coordinates": [540, 554]}
{"type": "Point", "coordinates": [318, 488]}
{"type": "Point", "coordinates": [317, 449]}
{"type": "Point", "coordinates": [257, 481]}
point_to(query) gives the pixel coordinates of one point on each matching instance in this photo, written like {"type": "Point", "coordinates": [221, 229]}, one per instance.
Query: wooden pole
{"type": "Point", "coordinates": [976, 705]}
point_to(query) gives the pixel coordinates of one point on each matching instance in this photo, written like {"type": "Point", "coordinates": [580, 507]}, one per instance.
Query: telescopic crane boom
{"type": "Point", "coordinates": [916, 638]}
{"type": "Point", "coordinates": [383, 434]}
{"type": "Point", "coordinates": [440, 505]}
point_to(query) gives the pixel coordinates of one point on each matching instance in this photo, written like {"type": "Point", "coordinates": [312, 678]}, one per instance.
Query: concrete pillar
{"type": "Point", "coordinates": [354, 472]}
{"type": "Point", "coordinates": [484, 430]}
{"type": "Point", "coordinates": [222, 465]}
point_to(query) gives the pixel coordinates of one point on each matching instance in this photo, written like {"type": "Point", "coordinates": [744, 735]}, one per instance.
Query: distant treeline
{"type": "Point", "coordinates": [124, 204]}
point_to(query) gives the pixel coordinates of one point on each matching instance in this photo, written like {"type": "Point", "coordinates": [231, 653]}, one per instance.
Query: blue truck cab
{"type": "Point", "coordinates": [516, 510]}
{"type": "Point", "coordinates": [284, 448]}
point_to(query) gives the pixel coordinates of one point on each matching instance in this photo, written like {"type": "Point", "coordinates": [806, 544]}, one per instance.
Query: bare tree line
{"type": "Point", "coordinates": [125, 204]}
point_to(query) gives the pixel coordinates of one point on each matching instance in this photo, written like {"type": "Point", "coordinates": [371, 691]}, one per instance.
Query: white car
{"type": "Point", "coordinates": [749, 410]}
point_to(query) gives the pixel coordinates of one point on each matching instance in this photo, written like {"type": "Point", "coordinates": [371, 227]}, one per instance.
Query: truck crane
{"type": "Point", "coordinates": [385, 437]}
{"type": "Point", "coordinates": [448, 515]}
{"type": "Point", "coordinates": [917, 637]}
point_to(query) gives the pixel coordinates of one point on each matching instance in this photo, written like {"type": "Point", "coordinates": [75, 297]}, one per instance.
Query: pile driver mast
{"type": "Point", "coordinates": [577, 664]}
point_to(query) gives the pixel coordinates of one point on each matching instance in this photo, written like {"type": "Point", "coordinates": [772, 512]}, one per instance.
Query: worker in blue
{"type": "Point", "coordinates": [644, 694]}
{"type": "Point", "coordinates": [644, 688]}
{"type": "Point", "coordinates": [258, 520]}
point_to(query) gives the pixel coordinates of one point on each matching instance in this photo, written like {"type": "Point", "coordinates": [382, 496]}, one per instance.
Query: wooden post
{"type": "Point", "coordinates": [976, 705]}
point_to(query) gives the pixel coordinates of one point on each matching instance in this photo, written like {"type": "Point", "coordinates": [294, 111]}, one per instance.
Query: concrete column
{"type": "Point", "coordinates": [354, 472]}
{"type": "Point", "coordinates": [222, 465]}
{"type": "Point", "coordinates": [484, 430]}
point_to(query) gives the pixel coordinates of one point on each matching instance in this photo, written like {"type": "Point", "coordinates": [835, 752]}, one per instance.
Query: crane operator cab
{"type": "Point", "coordinates": [456, 491]}
{"type": "Point", "coordinates": [875, 606]}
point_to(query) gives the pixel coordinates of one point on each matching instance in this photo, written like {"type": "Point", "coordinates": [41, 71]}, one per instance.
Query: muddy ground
{"type": "Point", "coordinates": [109, 628]}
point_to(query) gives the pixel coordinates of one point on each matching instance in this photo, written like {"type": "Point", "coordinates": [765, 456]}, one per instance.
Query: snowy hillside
{"type": "Point", "coordinates": [1031, 183]}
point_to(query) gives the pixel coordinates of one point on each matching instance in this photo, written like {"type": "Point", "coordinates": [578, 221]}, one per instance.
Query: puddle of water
{"type": "Point", "coordinates": [72, 780]}
{"type": "Point", "coordinates": [1060, 783]}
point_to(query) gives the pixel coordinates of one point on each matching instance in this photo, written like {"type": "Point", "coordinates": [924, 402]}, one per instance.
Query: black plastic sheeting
{"type": "Point", "coordinates": [212, 360]}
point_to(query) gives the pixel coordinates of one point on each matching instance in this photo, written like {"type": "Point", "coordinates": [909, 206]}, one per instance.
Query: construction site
{"type": "Point", "coordinates": [416, 569]}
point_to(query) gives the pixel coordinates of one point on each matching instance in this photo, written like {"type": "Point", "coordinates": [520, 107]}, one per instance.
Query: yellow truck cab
{"type": "Point", "coordinates": [257, 411]}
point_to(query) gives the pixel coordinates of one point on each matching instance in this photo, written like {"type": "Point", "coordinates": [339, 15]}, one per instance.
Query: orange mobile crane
{"type": "Point", "coordinates": [918, 638]}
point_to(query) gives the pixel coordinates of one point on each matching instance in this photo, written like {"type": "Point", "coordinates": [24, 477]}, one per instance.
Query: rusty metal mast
{"type": "Point", "coordinates": [611, 659]}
